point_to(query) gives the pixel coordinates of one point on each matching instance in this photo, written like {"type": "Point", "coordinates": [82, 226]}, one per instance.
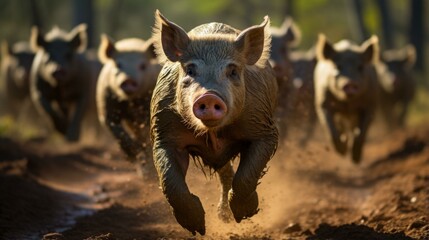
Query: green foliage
{"type": "Point", "coordinates": [6, 125]}
{"type": "Point", "coordinates": [419, 110]}
{"type": "Point", "coordinates": [12, 128]}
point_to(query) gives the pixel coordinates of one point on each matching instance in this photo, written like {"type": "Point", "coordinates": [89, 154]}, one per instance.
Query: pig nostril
{"type": "Point", "coordinates": [202, 106]}
{"type": "Point", "coordinates": [217, 107]}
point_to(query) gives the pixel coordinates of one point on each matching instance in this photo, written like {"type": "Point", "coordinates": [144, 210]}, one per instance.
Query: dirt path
{"type": "Point", "coordinates": [77, 192]}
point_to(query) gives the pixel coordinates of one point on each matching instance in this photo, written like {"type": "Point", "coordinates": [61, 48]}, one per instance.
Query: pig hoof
{"type": "Point", "coordinates": [341, 148]}
{"type": "Point", "coordinates": [191, 215]}
{"type": "Point", "coordinates": [356, 158]}
{"type": "Point", "coordinates": [224, 213]}
{"type": "Point", "coordinates": [72, 137]}
{"type": "Point", "coordinates": [243, 208]}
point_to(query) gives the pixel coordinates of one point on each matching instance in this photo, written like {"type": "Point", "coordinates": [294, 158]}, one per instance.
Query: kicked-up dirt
{"type": "Point", "coordinates": [62, 191]}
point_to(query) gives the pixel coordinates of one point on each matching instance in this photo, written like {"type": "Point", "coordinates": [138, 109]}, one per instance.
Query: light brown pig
{"type": "Point", "coordinates": [214, 101]}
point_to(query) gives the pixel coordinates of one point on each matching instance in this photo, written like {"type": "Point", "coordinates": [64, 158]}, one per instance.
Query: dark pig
{"type": "Point", "coordinates": [301, 112]}
{"type": "Point", "coordinates": [345, 88]}
{"type": "Point", "coordinates": [15, 70]}
{"type": "Point", "coordinates": [124, 90]}
{"type": "Point", "coordinates": [282, 39]}
{"type": "Point", "coordinates": [62, 79]}
{"type": "Point", "coordinates": [397, 84]}
{"type": "Point", "coordinates": [214, 101]}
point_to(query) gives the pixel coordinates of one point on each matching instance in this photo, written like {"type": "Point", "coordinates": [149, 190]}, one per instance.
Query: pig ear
{"type": "Point", "coordinates": [171, 40]}
{"type": "Point", "coordinates": [324, 49]}
{"type": "Point", "coordinates": [410, 56]}
{"type": "Point", "coordinates": [371, 52]}
{"type": "Point", "coordinates": [37, 40]}
{"type": "Point", "coordinates": [291, 33]}
{"type": "Point", "coordinates": [5, 50]}
{"type": "Point", "coordinates": [254, 43]}
{"type": "Point", "coordinates": [78, 37]}
{"type": "Point", "coordinates": [106, 49]}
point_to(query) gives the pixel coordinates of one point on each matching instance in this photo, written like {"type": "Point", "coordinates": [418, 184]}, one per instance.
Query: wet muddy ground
{"type": "Point", "coordinates": [62, 191]}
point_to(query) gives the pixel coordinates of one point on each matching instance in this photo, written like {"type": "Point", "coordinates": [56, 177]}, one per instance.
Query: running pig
{"type": "Point", "coordinates": [214, 101]}
{"type": "Point", "coordinates": [61, 82]}
{"type": "Point", "coordinates": [124, 90]}
{"type": "Point", "coordinates": [345, 89]}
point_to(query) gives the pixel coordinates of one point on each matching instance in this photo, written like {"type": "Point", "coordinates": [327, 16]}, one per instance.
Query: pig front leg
{"type": "Point", "coordinates": [403, 113]}
{"type": "Point", "coordinates": [73, 130]}
{"type": "Point", "coordinates": [59, 121]}
{"type": "Point", "coordinates": [360, 135]}
{"type": "Point", "coordinates": [172, 165]}
{"type": "Point", "coordinates": [130, 147]}
{"type": "Point", "coordinates": [113, 114]}
{"type": "Point", "coordinates": [327, 121]}
{"type": "Point", "coordinates": [243, 198]}
{"type": "Point", "coordinates": [40, 91]}
{"type": "Point", "coordinates": [226, 174]}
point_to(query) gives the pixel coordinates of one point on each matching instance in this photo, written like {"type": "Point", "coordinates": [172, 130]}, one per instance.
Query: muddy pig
{"type": "Point", "coordinates": [345, 88]}
{"type": "Point", "coordinates": [15, 70]}
{"type": "Point", "coordinates": [213, 101]}
{"type": "Point", "coordinates": [61, 78]}
{"type": "Point", "coordinates": [397, 85]}
{"type": "Point", "coordinates": [124, 90]}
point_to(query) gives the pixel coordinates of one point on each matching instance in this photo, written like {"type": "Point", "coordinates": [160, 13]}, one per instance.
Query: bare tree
{"type": "Point", "coordinates": [416, 31]}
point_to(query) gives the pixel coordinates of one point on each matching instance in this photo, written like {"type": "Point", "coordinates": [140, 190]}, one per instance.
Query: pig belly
{"type": "Point", "coordinates": [215, 153]}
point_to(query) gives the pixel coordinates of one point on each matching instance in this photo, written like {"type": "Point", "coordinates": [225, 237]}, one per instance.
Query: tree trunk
{"type": "Point", "coordinates": [83, 11]}
{"type": "Point", "coordinates": [416, 31]}
{"type": "Point", "coordinates": [114, 16]}
{"type": "Point", "coordinates": [386, 23]}
{"type": "Point", "coordinates": [357, 24]}
{"type": "Point", "coordinates": [35, 16]}
{"type": "Point", "coordinates": [289, 8]}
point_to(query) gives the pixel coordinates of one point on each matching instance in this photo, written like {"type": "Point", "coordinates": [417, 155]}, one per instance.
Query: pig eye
{"type": "Point", "coordinates": [232, 71]}
{"type": "Point", "coordinates": [190, 70]}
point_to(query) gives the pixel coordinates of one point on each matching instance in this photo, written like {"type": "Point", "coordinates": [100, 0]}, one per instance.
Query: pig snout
{"type": "Point", "coordinates": [129, 86]}
{"type": "Point", "coordinates": [59, 73]}
{"type": "Point", "coordinates": [351, 89]}
{"type": "Point", "coordinates": [209, 108]}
